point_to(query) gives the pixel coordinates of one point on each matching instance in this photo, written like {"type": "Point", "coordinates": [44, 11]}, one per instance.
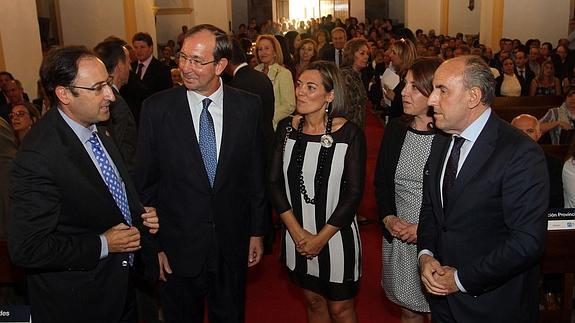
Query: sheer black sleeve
{"type": "Point", "coordinates": [353, 179]}
{"type": "Point", "coordinates": [277, 191]}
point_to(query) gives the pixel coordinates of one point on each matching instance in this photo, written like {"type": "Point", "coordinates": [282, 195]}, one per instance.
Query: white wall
{"type": "Point", "coordinates": [546, 20]}
{"type": "Point", "coordinates": [424, 14]}
{"type": "Point", "coordinates": [87, 22]}
{"type": "Point", "coordinates": [461, 19]}
{"type": "Point", "coordinates": [215, 12]}
{"type": "Point", "coordinates": [170, 26]}
{"type": "Point", "coordinates": [21, 42]}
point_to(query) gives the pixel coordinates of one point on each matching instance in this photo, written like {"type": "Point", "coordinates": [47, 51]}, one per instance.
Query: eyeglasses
{"type": "Point", "coordinates": [193, 61]}
{"type": "Point", "coordinates": [97, 89]}
{"type": "Point", "coordinates": [18, 114]}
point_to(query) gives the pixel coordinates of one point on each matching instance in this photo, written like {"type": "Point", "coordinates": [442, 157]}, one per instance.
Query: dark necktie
{"type": "Point", "coordinates": [340, 57]}
{"type": "Point", "coordinates": [451, 168]}
{"type": "Point", "coordinates": [139, 72]}
{"type": "Point", "coordinates": [521, 73]}
{"type": "Point", "coordinates": [113, 182]}
{"type": "Point", "coordinates": [207, 141]}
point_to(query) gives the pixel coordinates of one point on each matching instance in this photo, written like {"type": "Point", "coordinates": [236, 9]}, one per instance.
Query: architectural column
{"type": "Point", "coordinates": [20, 49]}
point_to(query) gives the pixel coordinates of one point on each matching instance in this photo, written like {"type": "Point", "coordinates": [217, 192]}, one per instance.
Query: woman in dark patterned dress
{"type": "Point", "coordinates": [399, 190]}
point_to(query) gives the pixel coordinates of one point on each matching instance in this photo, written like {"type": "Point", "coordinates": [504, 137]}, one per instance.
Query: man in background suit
{"type": "Point", "coordinates": [252, 81]}
{"type": "Point", "coordinates": [334, 51]}
{"type": "Point", "coordinates": [121, 123]}
{"type": "Point", "coordinates": [148, 74]}
{"type": "Point", "coordinates": [523, 72]}
{"type": "Point", "coordinates": [247, 79]}
{"type": "Point", "coordinates": [482, 225]}
{"type": "Point", "coordinates": [154, 74]}
{"type": "Point", "coordinates": [77, 225]}
{"type": "Point", "coordinates": [8, 150]}
{"type": "Point", "coordinates": [200, 162]}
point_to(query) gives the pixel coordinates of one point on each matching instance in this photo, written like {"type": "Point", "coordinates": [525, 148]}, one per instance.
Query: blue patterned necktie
{"type": "Point", "coordinates": [112, 181]}
{"type": "Point", "coordinates": [208, 141]}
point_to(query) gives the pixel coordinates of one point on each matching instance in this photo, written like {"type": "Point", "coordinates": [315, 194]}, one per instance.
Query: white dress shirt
{"type": "Point", "coordinates": [216, 109]}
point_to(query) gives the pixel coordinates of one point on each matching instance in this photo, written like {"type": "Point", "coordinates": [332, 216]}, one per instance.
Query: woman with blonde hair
{"type": "Point", "coordinates": [546, 83]}
{"type": "Point", "coordinates": [402, 53]}
{"type": "Point", "coordinates": [321, 38]}
{"type": "Point", "coordinates": [269, 56]}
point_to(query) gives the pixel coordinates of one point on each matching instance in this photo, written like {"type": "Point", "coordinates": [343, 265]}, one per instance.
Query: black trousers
{"type": "Point", "coordinates": [183, 299]}
{"type": "Point", "coordinates": [130, 313]}
{"type": "Point", "coordinates": [440, 311]}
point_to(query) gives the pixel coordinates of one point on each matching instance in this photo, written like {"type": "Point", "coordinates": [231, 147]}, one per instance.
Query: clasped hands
{"type": "Point", "coordinates": [400, 229]}
{"type": "Point", "coordinates": [309, 245]}
{"type": "Point", "coordinates": [124, 238]}
{"type": "Point", "coordinates": [437, 279]}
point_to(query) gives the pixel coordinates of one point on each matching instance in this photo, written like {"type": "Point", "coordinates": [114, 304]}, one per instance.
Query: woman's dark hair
{"type": "Point", "coordinates": [332, 81]}
{"type": "Point", "coordinates": [422, 71]}
{"type": "Point", "coordinates": [290, 37]}
{"type": "Point", "coordinates": [60, 67]}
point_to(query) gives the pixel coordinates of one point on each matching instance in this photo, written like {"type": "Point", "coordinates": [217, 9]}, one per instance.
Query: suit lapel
{"type": "Point", "coordinates": [230, 131]}
{"type": "Point", "coordinates": [184, 127]}
{"type": "Point", "coordinates": [480, 153]}
{"type": "Point", "coordinates": [79, 157]}
{"type": "Point", "coordinates": [437, 158]}
{"type": "Point", "coordinates": [118, 161]}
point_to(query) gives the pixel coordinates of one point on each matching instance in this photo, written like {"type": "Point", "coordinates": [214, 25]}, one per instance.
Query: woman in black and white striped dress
{"type": "Point", "coordinates": [317, 180]}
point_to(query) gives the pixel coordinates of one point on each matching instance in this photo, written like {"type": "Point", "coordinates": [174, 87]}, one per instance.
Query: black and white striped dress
{"type": "Point", "coordinates": [335, 272]}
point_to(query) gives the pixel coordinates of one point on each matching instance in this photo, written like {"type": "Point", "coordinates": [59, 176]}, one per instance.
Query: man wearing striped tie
{"type": "Point", "coordinates": [77, 224]}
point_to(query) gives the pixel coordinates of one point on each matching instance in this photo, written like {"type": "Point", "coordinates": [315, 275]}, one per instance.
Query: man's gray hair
{"type": "Point", "coordinates": [478, 74]}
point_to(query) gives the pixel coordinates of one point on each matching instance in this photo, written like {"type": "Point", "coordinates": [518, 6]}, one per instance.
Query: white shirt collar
{"type": "Point", "coordinates": [474, 129]}
{"type": "Point", "coordinates": [240, 66]}
{"type": "Point", "coordinates": [83, 133]}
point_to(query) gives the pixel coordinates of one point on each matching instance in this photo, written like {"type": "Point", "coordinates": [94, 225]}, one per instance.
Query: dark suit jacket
{"type": "Point", "coordinates": [171, 176]}
{"type": "Point", "coordinates": [122, 127]}
{"type": "Point", "coordinates": [327, 53]}
{"type": "Point", "coordinates": [134, 93]}
{"type": "Point", "coordinates": [258, 83]}
{"type": "Point", "coordinates": [555, 169]}
{"type": "Point", "coordinates": [60, 206]}
{"type": "Point", "coordinates": [525, 81]}
{"type": "Point", "coordinates": [157, 76]}
{"type": "Point", "coordinates": [493, 231]}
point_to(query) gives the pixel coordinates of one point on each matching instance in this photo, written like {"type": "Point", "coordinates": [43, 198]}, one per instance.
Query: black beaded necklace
{"type": "Point", "coordinates": [322, 157]}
